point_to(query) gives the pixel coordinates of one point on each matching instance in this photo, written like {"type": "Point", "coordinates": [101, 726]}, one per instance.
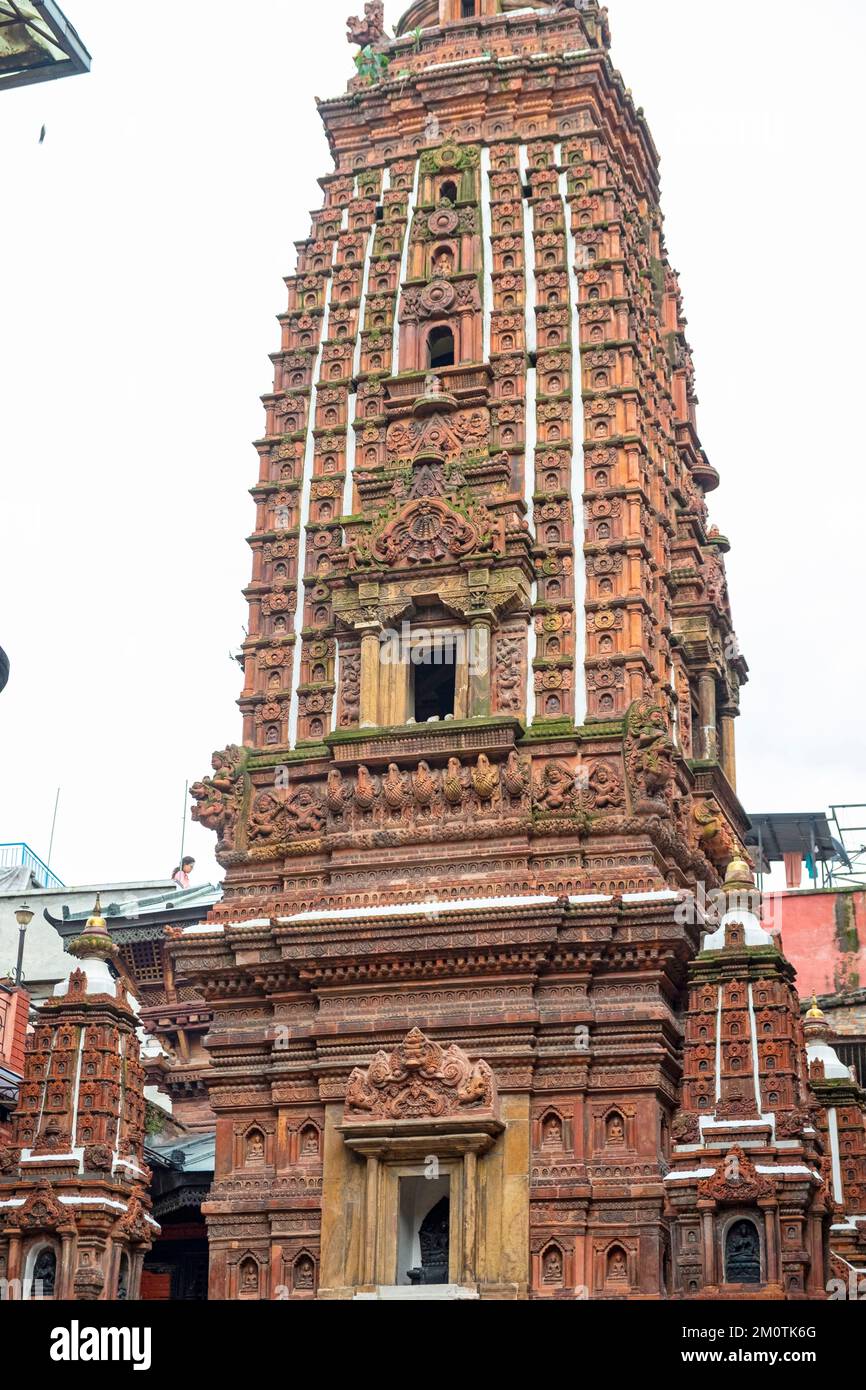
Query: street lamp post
{"type": "Point", "coordinates": [23, 916]}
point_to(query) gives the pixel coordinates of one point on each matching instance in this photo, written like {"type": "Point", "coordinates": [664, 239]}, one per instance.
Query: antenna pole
{"type": "Point", "coordinates": [53, 826]}
{"type": "Point", "coordinates": [183, 830]}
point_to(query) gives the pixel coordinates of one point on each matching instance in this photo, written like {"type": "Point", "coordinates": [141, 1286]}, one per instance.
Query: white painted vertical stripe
{"type": "Point", "coordinates": [351, 450]}
{"type": "Point", "coordinates": [45, 1086]}
{"type": "Point", "coordinates": [719, 1047]}
{"type": "Point", "coordinates": [351, 409]}
{"type": "Point", "coordinates": [120, 1050]}
{"type": "Point", "coordinates": [578, 464]}
{"type": "Point", "coordinates": [487, 252]}
{"type": "Point", "coordinates": [404, 266]}
{"type": "Point", "coordinates": [753, 1026]}
{"type": "Point", "coordinates": [835, 1157]}
{"type": "Point", "coordinates": [531, 428]}
{"type": "Point", "coordinates": [73, 1138]}
{"type": "Point", "coordinates": [351, 414]}
{"type": "Point", "coordinates": [529, 259]}
{"type": "Point", "coordinates": [306, 501]}
{"type": "Point", "coordinates": [531, 434]}
{"type": "Point", "coordinates": [362, 307]}
{"type": "Point", "coordinates": [334, 713]}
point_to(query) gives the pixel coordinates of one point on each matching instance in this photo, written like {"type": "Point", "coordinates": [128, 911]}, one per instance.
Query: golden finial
{"type": "Point", "coordinates": [96, 922]}
{"type": "Point", "coordinates": [95, 940]}
{"type": "Point", "coordinates": [815, 1012]}
{"type": "Point", "coordinates": [739, 875]}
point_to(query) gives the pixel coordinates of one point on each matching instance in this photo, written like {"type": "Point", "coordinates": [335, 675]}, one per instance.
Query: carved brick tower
{"type": "Point", "coordinates": [749, 1201]}
{"type": "Point", "coordinates": [490, 689]}
{"type": "Point", "coordinates": [75, 1217]}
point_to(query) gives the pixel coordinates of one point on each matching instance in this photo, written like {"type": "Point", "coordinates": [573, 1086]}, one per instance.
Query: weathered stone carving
{"type": "Point", "coordinates": [370, 29]}
{"type": "Point", "coordinates": [219, 798]}
{"type": "Point", "coordinates": [427, 531]}
{"type": "Point", "coordinates": [714, 837]}
{"type": "Point", "coordinates": [420, 1079]}
{"type": "Point", "coordinates": [605, 789]}
{"type": "Point", "coordinates": [276, 821]}
{"type": "Point", "coordinates": [350, 688]}
{"type": "Point", "coordinates": [648, 757]}
{"type": "Point", "coordinates": [737, 1180]}
{"type": "Point", "coordinates": [510, 672]}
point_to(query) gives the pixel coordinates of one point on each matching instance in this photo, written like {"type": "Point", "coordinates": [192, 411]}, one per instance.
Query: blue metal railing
{"type": "Point", "coordinates": [21, 856]}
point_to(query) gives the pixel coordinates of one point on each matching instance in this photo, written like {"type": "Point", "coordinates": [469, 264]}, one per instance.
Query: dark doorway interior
{"type": "Point", "coordinates": [176, 1268]}
{"type": "Point", "coordinates": [435, 682]}
{"type": "Point", "coordinates": [440, 348]}
{"type": "Point", "coordinates": [434, 1236]}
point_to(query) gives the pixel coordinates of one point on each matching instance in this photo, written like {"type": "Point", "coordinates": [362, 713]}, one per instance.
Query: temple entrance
{"type": "Point", "coordinates": [423, 1246]}
{"type": "Point", "coordinates": [743, 1254]}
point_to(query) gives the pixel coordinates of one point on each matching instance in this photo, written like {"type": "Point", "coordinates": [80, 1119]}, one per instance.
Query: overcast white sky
{"type": "Point", "coordinates": [144, 245]}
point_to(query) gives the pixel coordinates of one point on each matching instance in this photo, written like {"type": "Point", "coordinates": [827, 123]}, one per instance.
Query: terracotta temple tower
{"type": "Point", "coordinates": [490, 687]}
{"type": "Point", "coordinates": [75, 1217]}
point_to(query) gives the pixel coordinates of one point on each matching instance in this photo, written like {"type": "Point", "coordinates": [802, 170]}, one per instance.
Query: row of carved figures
{"type": "Point", "coordinates": [426, 789]}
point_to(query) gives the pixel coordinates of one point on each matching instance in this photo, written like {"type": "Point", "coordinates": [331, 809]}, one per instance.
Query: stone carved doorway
{"type": "Point", "coordinates": [420, 1118]}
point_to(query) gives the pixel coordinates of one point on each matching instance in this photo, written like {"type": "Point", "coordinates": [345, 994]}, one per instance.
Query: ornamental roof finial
{"type": "Point", "coordinates": [94, 941]}
{"type": "Point", "coordinates": [370, 29]}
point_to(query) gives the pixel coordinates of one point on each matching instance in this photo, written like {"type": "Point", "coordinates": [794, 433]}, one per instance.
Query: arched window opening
{"type": "Point", "coordinates": [468, 9]}
{"type": "Point", "coordinates": [449, 191]}
{"type": "Point", "coordinates": [440, 348]}
{"type": "Point", "coordinates": [743, 1254]}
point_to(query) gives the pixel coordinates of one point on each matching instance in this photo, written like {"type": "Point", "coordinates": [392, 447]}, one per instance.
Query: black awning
{"type": "Point", "coordinates": [793, 832]}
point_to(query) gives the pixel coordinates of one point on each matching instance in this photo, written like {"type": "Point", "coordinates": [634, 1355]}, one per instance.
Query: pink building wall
{"type": "Point", "coordinates": [824, 935]}
{"type": "Point", "coordinates": [14, 1014]}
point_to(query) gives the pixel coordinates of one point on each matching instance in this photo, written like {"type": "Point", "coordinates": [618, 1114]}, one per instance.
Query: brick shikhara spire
{"type": "Point", "coordinates": [74, 1213]}
{"type": "Point", "coordinates": [487, 756]}
{"type": "Point", "coordinates": [747, 1190]}
{"type": "Point", "coordinates": [481, 452]}
{"type": "Point", "coordinates": [842, 1121]}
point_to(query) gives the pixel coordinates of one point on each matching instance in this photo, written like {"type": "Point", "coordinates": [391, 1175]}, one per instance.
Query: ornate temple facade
{"type": "Point", "coordinates": [464, 1041]}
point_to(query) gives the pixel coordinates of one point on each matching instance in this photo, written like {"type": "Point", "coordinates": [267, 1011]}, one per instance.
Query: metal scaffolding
{"type": "Point", "coordinates": [37, 44]}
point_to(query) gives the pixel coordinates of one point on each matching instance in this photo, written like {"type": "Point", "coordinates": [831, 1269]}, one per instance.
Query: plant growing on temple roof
{"type": "Point", "coordinates": [372, 66]}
